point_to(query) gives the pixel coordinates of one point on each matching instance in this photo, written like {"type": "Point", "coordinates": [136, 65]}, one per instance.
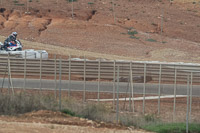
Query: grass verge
{"type": "Point", "coordinates": [173, 128]}
{"type": "Point", "coordinates": [100, 112]}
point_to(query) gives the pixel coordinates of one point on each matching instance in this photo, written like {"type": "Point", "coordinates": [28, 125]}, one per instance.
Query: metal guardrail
{"type": "Point", "coordinates": [108, 69]}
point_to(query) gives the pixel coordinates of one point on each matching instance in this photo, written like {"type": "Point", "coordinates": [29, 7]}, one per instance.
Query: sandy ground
{"type": "Point", "coordinates": [55, 122]}
{"type": "Point", "coordinates": [20, 127]}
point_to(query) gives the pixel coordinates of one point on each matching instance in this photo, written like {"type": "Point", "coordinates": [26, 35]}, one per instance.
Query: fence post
{"type": "Point", "coordinates": [159, 93]}
{"type": "Point", "coordinates": [191, 88]}
{"type": "Point", "coordinates": [9, 73]}
{"type": "Point", "coordinates": [10, 77]}
{"type": "Point", "coordinates": [130, 89]}
{"type": "Point", "coordinates": [40, 72]}
{"type": "Point", "coordinates": [6, 71]}
{"type": "Point", "coordinates": [187, 113]}
{"type": "Point", "coordinates": [144, 88]}
{"type": "Point", "coordinates": [114, 78]}
{"type": "Point", "coordinates": [84, 73]}
{"type": "Point", "coordinates": [69, 77]}
{"type": "Point", "coordinates": [25, 71]}
{"type": "Point", "coordinates": [60, 79]}
{"type": "Point", "coordinates": [55, 75]}
{"type": "Point", "coordinates": [132, 92]}
{"type": "Point", "coordinates": [99, 71]}
{"type": "Point", "coordinates": [174, 111]}
{"type": "Point", "coordinates": [117, 108]}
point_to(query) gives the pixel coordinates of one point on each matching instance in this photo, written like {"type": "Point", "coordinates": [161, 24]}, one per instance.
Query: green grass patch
{"type": "Point", "coordinates": [151, 40]}
{"type": "Point", "coordinates": [15, 1]}
{"type": "Point", "coordinates": [69, 112]}
{"type": "Point", "coordinates": [17, 4]}
{"type": "Point", "coordinates": [173, 128]}
{"type": "Point", "coordinates": [132, 32]}
{"type": "Point", "coordinates": [71, 0]}
{"type": "Point", "coordinates": [90, 3]}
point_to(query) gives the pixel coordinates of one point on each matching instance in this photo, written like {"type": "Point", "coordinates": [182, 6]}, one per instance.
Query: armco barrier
{"type": "Point", "coordinates": [108, 69]}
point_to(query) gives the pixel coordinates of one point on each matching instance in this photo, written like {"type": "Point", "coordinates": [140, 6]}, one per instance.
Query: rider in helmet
{"type": "Point", "coordinates": [11, 37]}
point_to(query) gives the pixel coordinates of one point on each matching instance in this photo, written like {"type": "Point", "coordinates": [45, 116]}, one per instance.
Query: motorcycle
{"type": "Point", "coordinates": [12, 46]}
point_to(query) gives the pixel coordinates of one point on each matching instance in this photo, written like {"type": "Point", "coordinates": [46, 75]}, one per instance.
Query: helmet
{"type": "Point", "coordinates": [14, 34]}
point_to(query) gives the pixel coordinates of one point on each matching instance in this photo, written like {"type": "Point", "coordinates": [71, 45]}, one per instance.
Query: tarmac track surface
{"type": "Point", "coordinates": [92, 86]}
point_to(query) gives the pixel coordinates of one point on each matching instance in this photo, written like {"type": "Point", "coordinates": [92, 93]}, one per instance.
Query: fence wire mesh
{"type": "Point", "coordinates": [156, 87]}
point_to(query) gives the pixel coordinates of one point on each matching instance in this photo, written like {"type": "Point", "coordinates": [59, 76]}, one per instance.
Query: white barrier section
{"type": "Point", "coordinates": [44, 54]}
{"type": "Point", "coordinates": [30, 54]}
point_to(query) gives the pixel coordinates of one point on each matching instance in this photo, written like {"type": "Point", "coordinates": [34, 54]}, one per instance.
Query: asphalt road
{"type": "Point", "coordinates": [92, 86]}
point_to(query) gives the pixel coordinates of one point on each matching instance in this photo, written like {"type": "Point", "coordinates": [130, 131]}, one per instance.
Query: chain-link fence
{"type": "Point", "coordinates": [169, 90]}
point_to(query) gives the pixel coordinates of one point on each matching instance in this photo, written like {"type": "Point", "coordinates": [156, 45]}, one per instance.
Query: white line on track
{"type": "Point", "coordinates": [139, 98]}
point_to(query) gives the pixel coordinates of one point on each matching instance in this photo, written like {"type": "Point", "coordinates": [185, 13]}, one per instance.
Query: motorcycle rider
{"type": "Point", "coordinates": [11, 37]}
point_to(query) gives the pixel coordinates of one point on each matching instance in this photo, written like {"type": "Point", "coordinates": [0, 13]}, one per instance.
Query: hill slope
{"type": "Point", "coordinates": [135, 33]}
